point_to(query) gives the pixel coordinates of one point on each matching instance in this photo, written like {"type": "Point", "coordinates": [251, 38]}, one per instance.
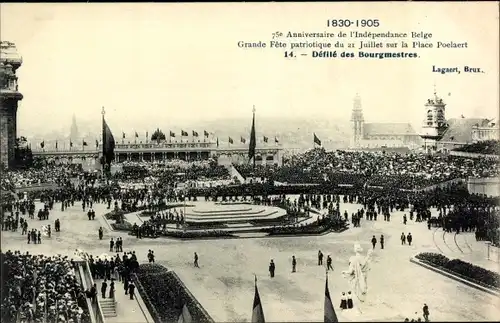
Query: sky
{"type": "Point", "coordinates": [162, 64]}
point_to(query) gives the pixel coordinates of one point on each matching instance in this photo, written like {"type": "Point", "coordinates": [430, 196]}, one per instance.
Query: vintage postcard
{"type": "Point", "coordinates": [250, 162]}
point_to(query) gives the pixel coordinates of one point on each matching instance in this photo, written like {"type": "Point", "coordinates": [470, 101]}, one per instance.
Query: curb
{"type": "Point", "coordinates": [454, 277]}
{"type": "Point", "coordinates": [110, 227]}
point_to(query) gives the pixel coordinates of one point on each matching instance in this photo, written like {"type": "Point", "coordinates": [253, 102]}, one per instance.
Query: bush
{"type": "Point", "coordinates": [123, 226]}
{"type": "Point", "coordinates": [197, 234]}
{"type": "Point", "coordinates": [461, 268]}
{"type": "Point", "coordinates": [151, 269]}
{"type": "Point", "coordinates": [317, 229]}
{"type": "Point", "coordinates": [118, 216]}
{"type": "Point", "coordinates": [165, 295]}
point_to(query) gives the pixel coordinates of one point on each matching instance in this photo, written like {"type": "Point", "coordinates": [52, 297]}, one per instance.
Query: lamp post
{"type": "Point", "coordinates": [488, 243]}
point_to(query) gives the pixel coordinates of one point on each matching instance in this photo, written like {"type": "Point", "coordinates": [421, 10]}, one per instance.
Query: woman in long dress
{"type": "Point", "coordinates": [112, 288]}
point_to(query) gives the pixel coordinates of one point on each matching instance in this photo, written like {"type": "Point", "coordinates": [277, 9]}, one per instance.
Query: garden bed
{"type": "Point", "coordinates": [462, 269]}
{"type": "Point", "coordinates": [197, 234]}
{"type": "Point", "coordinates": [165, 295]}
{"type": "Point", "coordinates": [123, 226]}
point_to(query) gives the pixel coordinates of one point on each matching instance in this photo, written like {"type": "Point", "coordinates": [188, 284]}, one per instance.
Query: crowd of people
{"type": "Point", "coordinates": [38, 288]}
{"type": "Point", "coordinates": [172, 170]}
{"type": "Point", "coordinates": [487, 147]}
{"type": "Point", "coordinates": [41, 175]}
{"type": "Point", "coordinates": [32, 296]}
{"type": "Point", "coordinates": [384, 169]}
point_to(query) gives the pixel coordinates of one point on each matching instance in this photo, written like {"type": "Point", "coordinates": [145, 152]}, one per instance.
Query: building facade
{"type": "Point", "coordinates": [486, 130]}
{"type": "Point", "coordinates": [380, 135]}
{"type": "Point", "coordinates": [10, 61]}
{"type": "Point", "coordinates": [165, 151]}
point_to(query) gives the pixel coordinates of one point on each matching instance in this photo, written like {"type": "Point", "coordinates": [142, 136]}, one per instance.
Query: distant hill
{"type": "Point", "coordinates": [292, 133]}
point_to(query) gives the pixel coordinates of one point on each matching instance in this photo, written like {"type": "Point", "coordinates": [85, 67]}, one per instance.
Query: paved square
{"type": "Point", "coordinates": [224, 282]}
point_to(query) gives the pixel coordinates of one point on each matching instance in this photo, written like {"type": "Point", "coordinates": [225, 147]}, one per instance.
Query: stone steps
{"type": "Point", "coordinates": [108, 306]}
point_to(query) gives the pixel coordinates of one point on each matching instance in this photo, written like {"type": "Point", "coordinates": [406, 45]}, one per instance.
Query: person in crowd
{"type": "Point", "coordinates": [329, 263]}
{"type": "Point", "coordinates": [272, 268]}
{"type": "Point", "coordinates": [196, 260]}
{"type": "Point", "coordinates": [374, 242]}
{"type": "Point", "coordinates": [320, 258]}
{"type": "Point", "coordinates": [131, 290]}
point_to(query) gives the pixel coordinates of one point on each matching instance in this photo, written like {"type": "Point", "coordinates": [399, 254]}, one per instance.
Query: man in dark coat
{"type": "Point", "coordinates": [131, 289]}
{"type": "Point", "coordinates": [104, 286]}
{"type": "Point", "coordinates": [272, 268]}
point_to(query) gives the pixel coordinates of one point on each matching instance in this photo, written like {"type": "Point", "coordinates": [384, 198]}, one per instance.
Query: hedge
{"type": "Point", "coordinates": [197, 234]}
{"type": "Point", "coordinates": [165, 295]}
{"type": "Point", "coordinates": [461, 268]}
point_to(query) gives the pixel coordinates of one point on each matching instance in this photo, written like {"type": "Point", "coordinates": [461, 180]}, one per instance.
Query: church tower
{"type": "Point", "coordinates": [74, 130]}
{"type": "Point", "coordinates": [435, 125]}
{"type": "Point", "coordinates": [358, 121]}
{"type": "Point", "coordinates": [10, 96]}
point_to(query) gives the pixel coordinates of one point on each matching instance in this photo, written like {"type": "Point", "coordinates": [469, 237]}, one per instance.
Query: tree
{"type": "Point", "coordinates": [158, 135]}
{"type": "Point", "coordinates": [23, 156]}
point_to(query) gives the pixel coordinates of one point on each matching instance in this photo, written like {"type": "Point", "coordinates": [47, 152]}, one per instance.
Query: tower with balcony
{"type": "Point", "coordinates": [357, 121]}
{"type": "Point", "coordinates": [434, 125]}
{"type": "Point", "coordinates": [10, 61]}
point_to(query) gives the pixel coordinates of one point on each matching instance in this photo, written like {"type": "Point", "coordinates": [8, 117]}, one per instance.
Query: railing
{"type": "Point", "coordinates": [95, 308]}
{"type": "Point", "coordinates": [90, 307]}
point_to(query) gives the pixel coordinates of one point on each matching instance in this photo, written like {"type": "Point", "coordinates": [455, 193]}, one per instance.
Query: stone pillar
{"type": "Point", "coordinates": [10, 61]}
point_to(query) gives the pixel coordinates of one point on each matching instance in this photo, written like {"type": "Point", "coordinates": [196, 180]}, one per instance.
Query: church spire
{"type": "Point", "coordinates": [74, 129]}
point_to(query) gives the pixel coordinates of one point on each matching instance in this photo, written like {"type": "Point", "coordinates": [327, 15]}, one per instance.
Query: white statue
{"type": "Point", "coordinates": [358, 268]}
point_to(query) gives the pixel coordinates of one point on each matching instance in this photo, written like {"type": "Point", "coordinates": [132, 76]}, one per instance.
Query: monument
{"type": "Point", "coordinates": [10, 61]}
{"type": "Point", "coordinates": [356, 275]}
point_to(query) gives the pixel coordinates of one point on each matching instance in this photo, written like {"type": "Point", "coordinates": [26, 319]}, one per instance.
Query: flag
{"type": "Point", "coordinates": [184, 133]}
{"type": "Point", "coordinates": [108, 143]}
{"type": "Point", "coordinates": [42, 144]}
{"type": "Point", "coordinates": [205, 133]}
{"type": "Point", "coordinates": [251, 147]}
{"type": "Point", "coordinates": [185, 316]}
{"type": "Point", "coordinates": [136, 135]}
{"type": "Point", "coordinates": [330, 315]}
{"type": "Point", "coordinates": [56, 144]}
{"type": "Point", "coordinates": [243, 140]}
{"type": "Point", "coordinates": [257, 312]}
{"type": "Point", "coordinates": [230, 140]}
{"type": "Point", "coordinates": [217, 142]}
{"type": "Point", "coordinates": [70, 143]}
{"type": "Point", "coordinates": [172, 134]}
{"type": "Point", "coordinates": [123, 135]}
{"type": "Point", "coordinates": [195, 134]}
{"type": "Point", "coordinates": [84, 143]}
{"type": "Point", "coordinates": [96, 143]}
{"type": "Point", "coordinates": [276, 140]}
{"type": "Point", "coordinates": [146, 135]}
{"type": "Point", "coordinates": [265, 139]}
{"type": "Point", "coordinates": [316, 140]}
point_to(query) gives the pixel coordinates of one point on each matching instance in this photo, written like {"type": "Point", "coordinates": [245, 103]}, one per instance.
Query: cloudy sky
{"type": "Point", "coordinates": [159, 64]}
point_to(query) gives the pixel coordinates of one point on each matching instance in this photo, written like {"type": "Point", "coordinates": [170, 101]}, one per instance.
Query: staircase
{"type": "Point", "coordinates": [108, 306]}
{"type": "Point", "coordinates": [233, 172]}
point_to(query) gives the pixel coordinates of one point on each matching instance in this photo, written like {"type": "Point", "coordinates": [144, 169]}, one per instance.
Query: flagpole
{"type": "Point", "coordinates": [103, 142]}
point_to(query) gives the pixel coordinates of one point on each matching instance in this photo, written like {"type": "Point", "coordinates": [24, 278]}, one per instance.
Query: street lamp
{"type": "Point", "coordinates": [488, 243]}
